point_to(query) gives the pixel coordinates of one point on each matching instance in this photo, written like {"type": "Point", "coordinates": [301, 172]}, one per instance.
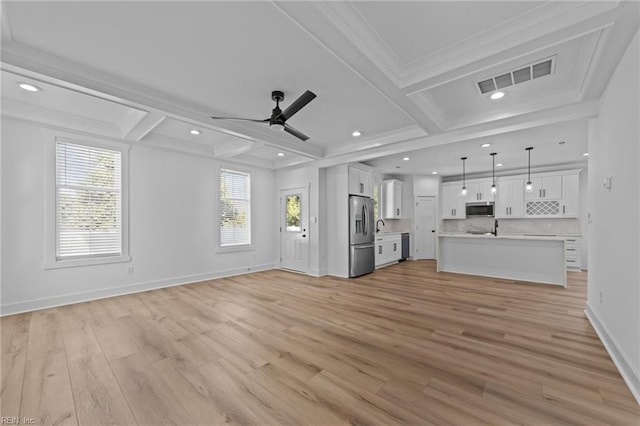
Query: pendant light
{"type": "Point", "coordinates": [494, 188]}
{"type": "Point", "coordinates": [529, 186]}
{"type": "Point", "coordinates": [464, 186]}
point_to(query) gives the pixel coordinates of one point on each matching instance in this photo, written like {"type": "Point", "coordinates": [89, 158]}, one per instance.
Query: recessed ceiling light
{"type": "Point", "coordinates": [499, 165]}
{"type": "Point", "coordinates": [485, 145]}
{"type": "Point", "coordinates": [586, 154]}
{"type": "Point", "coordinates": [406, 159]}
{"type": "Point", "coordinates": [497, 95]}
{"type": "Point", "coordinates": [281, 154]}
{"type": "Point", "coordinates": [29, 87]}
{"type": "Point", "coordinates": [356, 133]}
{"type": "Point", "coordinates": [194, 132]}
{"type": "Point", "coordinates": [434, 173]}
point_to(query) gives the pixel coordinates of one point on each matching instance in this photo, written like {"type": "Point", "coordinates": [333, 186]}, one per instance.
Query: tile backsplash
{"type": "Point", "coordinates": [513, 226]}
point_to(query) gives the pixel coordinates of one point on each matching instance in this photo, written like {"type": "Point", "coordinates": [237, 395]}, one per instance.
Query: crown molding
{"type": "Point", "coordinates": [143, 127]}
{"type": "Point", "coordinates": [521, 122]}
{"type": "Point", "coordinates": [548, 101]}
{"type": "Point", "coordinates": [178, 145]}
{"type": "Point", "coordinates": [46, 116]}
{"type": "Point", "coordinates": [7, 34]}
{"type": "Point", "coordinates": [24, 59]}
{"type": "Point", "coordinates": [550, 22]}
{"type": "Point", "coordinates": [320, 22]}
{"type": "Point", "coordinates": [377, 140]}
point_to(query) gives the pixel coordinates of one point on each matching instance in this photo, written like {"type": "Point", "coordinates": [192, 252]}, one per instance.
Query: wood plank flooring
{"type": "Point", "coordinates": [402, 345]}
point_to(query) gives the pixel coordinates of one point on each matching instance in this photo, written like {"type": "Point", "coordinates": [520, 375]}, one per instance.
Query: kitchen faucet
{"type": "Point", "coordinates": [378, 223]}
{"type": "Point", "coordinates": [495, 228]}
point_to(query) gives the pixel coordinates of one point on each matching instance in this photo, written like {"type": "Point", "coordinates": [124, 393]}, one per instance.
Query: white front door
{"type": "Point", "coordinates": [425, 242]}
{"type": "Point", "coordinates": [294, 229]}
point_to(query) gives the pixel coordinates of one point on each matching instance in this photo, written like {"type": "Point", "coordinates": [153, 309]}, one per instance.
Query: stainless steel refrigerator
{"type": "Point", "coordinates": [362, 252]}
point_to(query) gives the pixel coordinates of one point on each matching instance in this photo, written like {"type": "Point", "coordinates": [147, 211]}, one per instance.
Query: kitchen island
{"type": "Point", "coordinates": [539, 259]}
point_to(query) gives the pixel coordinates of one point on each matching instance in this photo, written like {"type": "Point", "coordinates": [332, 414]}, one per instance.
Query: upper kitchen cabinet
{"type": "Point", "coordinates": [554, 195]}
{"type": "Point", "coordinates": [391, 199]}
{"type": "Point", "coordinates": [453, 203]}
{"type": "Point", "coordinates": [545, 188]}
{"type": "Point", "coordinates": [479, 190]}
{"type": "Point", "coordinates": [510, 198]}
{"type": "Point", "coordinates": [570, 195]}
{"type": "Point", "coordinates": [360, 181]}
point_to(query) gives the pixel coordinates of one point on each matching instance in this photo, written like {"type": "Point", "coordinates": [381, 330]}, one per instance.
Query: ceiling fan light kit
{"type": "Point", "coordinates": [278, 118]}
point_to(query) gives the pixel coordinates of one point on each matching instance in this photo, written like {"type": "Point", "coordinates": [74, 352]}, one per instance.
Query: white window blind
{"type": "Point", "coordinates": [88, 201]}
{"type": "Point", "coordinates": [235, 208]}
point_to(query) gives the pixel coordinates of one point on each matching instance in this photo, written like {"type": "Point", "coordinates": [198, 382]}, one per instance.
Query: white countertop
{"type": "Point", "coordinates": [503, 236]}
{"type": "Point", "coordinates": [382, 234]}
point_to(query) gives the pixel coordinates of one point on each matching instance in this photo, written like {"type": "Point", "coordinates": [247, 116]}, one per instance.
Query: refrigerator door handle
{"type": "Point", "coordinates": [365, 219]}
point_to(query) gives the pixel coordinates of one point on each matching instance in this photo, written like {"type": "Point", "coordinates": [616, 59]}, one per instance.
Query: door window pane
{"type": "Point", "coordinates": [292, 219]}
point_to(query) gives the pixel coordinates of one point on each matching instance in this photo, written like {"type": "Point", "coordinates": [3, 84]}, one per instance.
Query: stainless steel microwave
{"type": "Point", "coordinates": [484, 209]}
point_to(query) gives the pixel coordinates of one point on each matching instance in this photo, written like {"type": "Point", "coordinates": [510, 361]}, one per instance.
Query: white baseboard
{"type": "Point", "coordinates": [627, 371]}
{"type": "Point", "coordinates": [318, 272]}
{"type": "Point", "coordinates": [85, 296]}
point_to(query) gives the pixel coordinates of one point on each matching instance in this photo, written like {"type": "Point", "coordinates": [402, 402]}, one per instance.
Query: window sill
{"type": "Point", "coordinates": [86, 262]}
{"type": "Point", "coordinates": [232, 249]}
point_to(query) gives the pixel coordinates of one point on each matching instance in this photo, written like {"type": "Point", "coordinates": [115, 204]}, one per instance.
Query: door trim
{"type": "Point", "coordinates": [304, 218]}
{"type": "Point", "coordinates": [416, 199]}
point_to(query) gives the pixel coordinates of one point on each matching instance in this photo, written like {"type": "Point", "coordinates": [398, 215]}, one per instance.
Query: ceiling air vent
{"type": "Point", "coordinates": [529, 72]}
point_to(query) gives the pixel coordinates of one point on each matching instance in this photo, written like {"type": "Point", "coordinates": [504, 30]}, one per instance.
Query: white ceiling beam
{"type": "Point", "coordinates": [506, 125]}
{"type": "Point", "coordinates": [505, 52]}
{"type": "Point", "coordinates": [7, 35]}
{"type": "Point", "coordinates": [150, 121]}
{"type": "Point", "coordinates": [233, 147]}
{"type": "Point", "coordinates": [97, 83]}
{"type": "Point", "coordinates": [318, 19]}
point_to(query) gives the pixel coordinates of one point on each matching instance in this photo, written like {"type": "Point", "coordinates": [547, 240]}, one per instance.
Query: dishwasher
{"type": "Point", "coordinates": [405, 246]}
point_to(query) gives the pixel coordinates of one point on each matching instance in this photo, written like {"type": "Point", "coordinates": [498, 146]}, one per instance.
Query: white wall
{"type": "Point", "coordinates": [426, 186]}
{"type": "Point", "coordinates": [173, 225]}
{"type": "Point", "coordinates": [313, 178]}
{"type": "Point", "coordinates": [614, 234]}
{"type": "Point", "coordinates": [337, 221]}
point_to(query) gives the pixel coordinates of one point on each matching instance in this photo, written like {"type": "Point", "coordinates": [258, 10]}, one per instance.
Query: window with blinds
{"type": "Point", "coordinates": [88, 201]}
{"type": "Point", "coordinates": [235, 208]}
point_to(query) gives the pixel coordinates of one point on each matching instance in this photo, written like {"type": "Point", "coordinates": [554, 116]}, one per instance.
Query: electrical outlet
{"type": "Point", "coordinates": [130, 270]}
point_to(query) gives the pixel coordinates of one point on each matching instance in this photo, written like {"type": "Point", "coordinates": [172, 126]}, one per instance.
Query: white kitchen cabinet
{"type": "Point", "coordinates": [391, 196]}
{"type": "Point", "coordinates": [479, 190]}
{"type": "Point", "coordinates": [360, 182]}
{"type": "Point", "coordinates": [510, 198]}
{"type": "Point", "coordinates": [388, 249]}
{"type": "Point", "coordinates": [453, 203]}
{"type": "Point", "coordinates": [545, 188]}
{"type": "Point", "coordinates": [570, 195]}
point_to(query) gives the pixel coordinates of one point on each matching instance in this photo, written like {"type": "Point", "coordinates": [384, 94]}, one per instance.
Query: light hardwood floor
{"type": "Point", "coordinates": [403, 345]}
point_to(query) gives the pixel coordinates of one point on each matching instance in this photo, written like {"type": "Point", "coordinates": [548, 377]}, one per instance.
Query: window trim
{"type": "Point", "coordinates": [239, 247]}
{"type": "Point", "coordinates": [51, 261]}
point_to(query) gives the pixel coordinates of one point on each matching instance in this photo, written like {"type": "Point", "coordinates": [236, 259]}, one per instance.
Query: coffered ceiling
{"type": "Point", "coordinates": [149, 72]}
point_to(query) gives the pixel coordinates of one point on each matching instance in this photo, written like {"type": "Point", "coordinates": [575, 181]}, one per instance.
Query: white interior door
{"type": "Point", "coordinates": [425, 215]}
{"type": "Point", "coordinates": [294, 229]}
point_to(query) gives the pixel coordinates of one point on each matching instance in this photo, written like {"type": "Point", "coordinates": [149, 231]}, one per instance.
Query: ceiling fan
{"type": "Point", "coordinates": [278, 118]}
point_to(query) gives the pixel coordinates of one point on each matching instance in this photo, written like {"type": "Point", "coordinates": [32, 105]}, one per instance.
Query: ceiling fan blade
{"type": "Point", "coordinates": [266, 120]}
{"type": "Point", "coordinates": [297, 105]}
{"type": "Point", "coordinates": [298, 134]}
